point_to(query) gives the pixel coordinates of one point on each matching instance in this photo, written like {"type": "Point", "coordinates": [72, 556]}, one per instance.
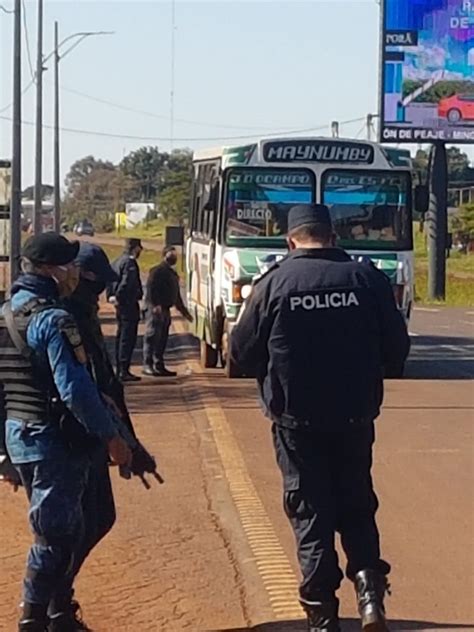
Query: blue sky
{"type": "Point", "coordinates": [252, 66]}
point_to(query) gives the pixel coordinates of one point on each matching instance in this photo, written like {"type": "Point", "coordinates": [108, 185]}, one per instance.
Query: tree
{"type": "Point", "coordinates": [440, 90]}
{"type": "Point", "coordinates": [46, 192]}
{"type": "Point", "coordinates": [145, 166]}
{"type": "Point", "coordinates": [82, 169]}
{"type": "Point", "coordinates": [458, 164]}
{"type": "Point", "coordinates": [97, 197]}
{"type": "Point", "coordinates": [466, 220]}
{"type": "Point", "coordinates": [174, 198]}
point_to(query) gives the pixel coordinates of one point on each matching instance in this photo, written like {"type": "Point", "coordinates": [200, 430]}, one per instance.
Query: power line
{"type": "Point", "coordinates": [23, 92]}
{"type": "Point", "coordinates": [73, 130]}
{"type": "Point", "coordinates": [5, 10]}
{"type": "Point", "coordinates": [155, 115]}
{"type": "Point", "coordinates": [27, 39]}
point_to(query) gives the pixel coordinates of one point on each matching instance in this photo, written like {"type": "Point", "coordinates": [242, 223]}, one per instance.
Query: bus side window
{"type": "Point", "coordinates": [206, 201]}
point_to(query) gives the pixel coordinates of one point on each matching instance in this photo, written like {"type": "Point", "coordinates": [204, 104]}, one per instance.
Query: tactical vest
{"type": "Point", "coordinates": [26, 396]}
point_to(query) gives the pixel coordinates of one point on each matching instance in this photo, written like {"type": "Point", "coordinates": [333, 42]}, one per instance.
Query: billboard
{"type": "Point", "coordinates": [427, 91]}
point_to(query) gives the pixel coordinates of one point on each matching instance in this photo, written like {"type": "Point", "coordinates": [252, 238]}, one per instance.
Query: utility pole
{"type": "Point", "coordinates": [438, 223]}
{"type": "Point", "coordinates": [37, 222]}
{"type": "Point", "coordinates": [15, 205]}
{"type": "Point", "coordinates": [370, 118]}
{"type": "Point", "coordinates": [57, 156]}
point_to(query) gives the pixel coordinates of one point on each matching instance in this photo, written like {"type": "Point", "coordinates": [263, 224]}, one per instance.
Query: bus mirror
{"type": "Point", "coordinates": [422, 199]}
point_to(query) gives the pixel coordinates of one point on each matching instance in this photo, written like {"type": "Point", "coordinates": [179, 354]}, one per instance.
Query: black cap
{"type": "Point", "coordinates": [132, 243]}
{"type": "Point", "coordinates": [92, 258]}
{"type": "Point", "coordinates": [50, 249]}
{"type": "Point", "coordinates": [308, 214]}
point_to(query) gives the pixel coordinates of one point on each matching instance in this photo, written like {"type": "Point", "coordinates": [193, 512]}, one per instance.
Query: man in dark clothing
{"type": "Point", "coordinates": [126, 294]}
{"type": "Point", "coordinates": [318, 330]}
{"type": "Point", "coordinates": [162, 293]}
{"type": "Point", "coordinates": [54, 422]}
{"type": "Point", "coordinates": [98, 501]}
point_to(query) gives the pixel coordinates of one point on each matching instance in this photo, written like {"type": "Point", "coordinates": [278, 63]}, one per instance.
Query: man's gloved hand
{"type": "Point", "coordinates": [8, 473]}
{"type": "Point", "coordinates": [119, 451]}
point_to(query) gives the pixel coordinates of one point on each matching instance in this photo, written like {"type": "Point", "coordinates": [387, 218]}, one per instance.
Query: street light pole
{"type": "Point", "coordinates": [15, 205]}
{"type": "Point", "coordinates": [37, 218]}
{"type": "Point", "coordinates": [57, 157]}
{"type": "Point", "coordinates": [56, 141]}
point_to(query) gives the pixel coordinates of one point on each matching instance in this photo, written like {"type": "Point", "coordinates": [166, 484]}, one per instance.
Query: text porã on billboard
{"type": "Point", "coordinates": [427, 89]}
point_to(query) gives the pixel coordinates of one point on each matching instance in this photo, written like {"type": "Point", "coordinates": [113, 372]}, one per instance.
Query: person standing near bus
{"type": "Point", "coordinates": [126, 295]}
{"type": "Point", "coordinates": [317, 331]}
{"type": "Point", "coordinates": [162, 293]}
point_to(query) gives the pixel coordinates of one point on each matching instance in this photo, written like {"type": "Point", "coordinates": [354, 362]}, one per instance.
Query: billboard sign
{"type": "Point", "coordinates": [427, 89]}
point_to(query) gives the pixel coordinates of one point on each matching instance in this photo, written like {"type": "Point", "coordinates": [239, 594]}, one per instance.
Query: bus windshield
{"type": "Point", "coordinates": [258, 201]}
{"type": "Point", "coordinates": [370, 209]}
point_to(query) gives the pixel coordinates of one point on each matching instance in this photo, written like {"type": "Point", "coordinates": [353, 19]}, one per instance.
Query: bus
{"type": "Point", "coordinates": [240, 202]}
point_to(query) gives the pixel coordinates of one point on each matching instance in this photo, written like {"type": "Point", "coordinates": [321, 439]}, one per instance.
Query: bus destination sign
{"type": "Point", "coordinates": [329, 151]}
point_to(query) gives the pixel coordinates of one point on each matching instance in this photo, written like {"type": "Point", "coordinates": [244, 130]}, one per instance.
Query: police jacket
{"type": "Point", "coordinates": [317, 331]}
{"type": "Point", "coordinates": [56, 367]}
{"type": "Point", "coordinates": [128, 291]}
{"type": "Point", "coordinates": [84, 307]}
{"type": "Point", "coordinates": [163, 288]}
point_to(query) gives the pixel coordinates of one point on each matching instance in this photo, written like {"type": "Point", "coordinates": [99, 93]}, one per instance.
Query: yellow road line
{"type": "Point", "coordinates": [271, 560]}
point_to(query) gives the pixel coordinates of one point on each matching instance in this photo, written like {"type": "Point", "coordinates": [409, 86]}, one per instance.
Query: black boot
{"type": "Point", "coordinates": [162, 371]}
{"type": "Point", "coordinates": [371, 587]}
{"type": "Point", "coordinates": [68, 621]}
{"type": "Point", "coordinates": [323, 617]}
{"type": "Point", "coordinates": [34, 618]}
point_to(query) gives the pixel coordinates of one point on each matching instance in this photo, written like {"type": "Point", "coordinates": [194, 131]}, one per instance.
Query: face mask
{"type": "Point", "coordinates": [68, 284]}
{"type": "Point", "coordinates": [93, 287]}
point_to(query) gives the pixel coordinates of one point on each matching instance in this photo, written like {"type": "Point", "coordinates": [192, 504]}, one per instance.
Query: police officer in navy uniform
{"type": "Point", "coordinates": [317, 331]}
{"type": "Point", "coordinates": [53, 417]}
{"type": "Point", "coordinates": [162, 293]}
{"type": "Point", "coordinates": [127, 293]}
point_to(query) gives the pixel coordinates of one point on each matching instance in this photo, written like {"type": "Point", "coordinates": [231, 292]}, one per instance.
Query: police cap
{"type": "Point", "coordinates": [133, 243]}
{"type": "Point", "coordinates": [50, 249]}
{"type": "Point", "coordinates": [303, 214]}
{"type": "Point", "coordinates": [92, 258]}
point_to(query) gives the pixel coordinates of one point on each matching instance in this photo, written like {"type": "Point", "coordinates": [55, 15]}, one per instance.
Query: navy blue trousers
{"type": "Point", "coordinates": [327, 490]}
{"type": "Point", "coordinates": [71, 510]}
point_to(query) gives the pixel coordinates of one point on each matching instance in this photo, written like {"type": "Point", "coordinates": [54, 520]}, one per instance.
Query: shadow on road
{"type": "Point", "coordinates": [351, 625]}
{"type": "Point", "coordinates": [441, 358]}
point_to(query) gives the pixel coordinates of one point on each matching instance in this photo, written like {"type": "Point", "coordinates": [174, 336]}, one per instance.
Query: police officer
{"type": "Point", "coordinates": [54, 414]}
{"type": "Point", "coordinates": [317, 331]}
{"type": "Point", "coordinates": [127, 293]}
{"type": "Point", "coordinates": [162, 293]}
{"type": "Point", "coordinates": [95, 274]}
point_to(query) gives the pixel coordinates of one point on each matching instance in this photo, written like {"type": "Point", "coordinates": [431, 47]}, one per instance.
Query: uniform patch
{"type": "Point", "coordinates": [70, 331]}
{"type": "Point", "coordinates": [329, 300]}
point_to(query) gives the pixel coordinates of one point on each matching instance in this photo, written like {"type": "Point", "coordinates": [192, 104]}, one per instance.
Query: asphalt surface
{"type": "Point", "coordinates": [211, 549]}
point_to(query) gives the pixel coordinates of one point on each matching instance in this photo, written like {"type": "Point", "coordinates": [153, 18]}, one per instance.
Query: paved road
{"type": "Point", "coordinates": [211, 549]}
{"type": "Point", "coordinates": [442, 343]}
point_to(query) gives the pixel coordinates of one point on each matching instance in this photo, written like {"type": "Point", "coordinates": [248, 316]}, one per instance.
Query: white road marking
{"type": "Point", "coordinates": [426, 309]}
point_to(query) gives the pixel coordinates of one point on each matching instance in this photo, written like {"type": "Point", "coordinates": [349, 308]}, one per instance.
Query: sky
{"type": "Point", "coordinates": [242, 69]}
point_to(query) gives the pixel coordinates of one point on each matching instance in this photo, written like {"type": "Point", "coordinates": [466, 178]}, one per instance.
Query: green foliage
{"type": "Point", "coordinates": [458, 164]}
{"type": "Point", "coordinates": [466, 221]}
{"type": "Point", "coordinates": [441, 90]}
{"type": "Point", "coordinates": [459, 274]}
{"type": "Point", "coordinates": [96, 190]}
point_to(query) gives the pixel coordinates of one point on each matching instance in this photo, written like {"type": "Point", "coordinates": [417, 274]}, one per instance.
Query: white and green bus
{"type": "Point", "coordinates": [240, 203]}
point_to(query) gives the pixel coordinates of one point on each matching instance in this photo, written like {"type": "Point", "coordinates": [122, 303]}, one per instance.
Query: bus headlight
{"type": "Point", "coordinates": [245, 291]}
{"type": "Point", "coordinates": [240, 291]}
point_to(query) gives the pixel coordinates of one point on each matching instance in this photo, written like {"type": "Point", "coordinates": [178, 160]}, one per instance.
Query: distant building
{"type": "Point", "coordinates": [47, 213]}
